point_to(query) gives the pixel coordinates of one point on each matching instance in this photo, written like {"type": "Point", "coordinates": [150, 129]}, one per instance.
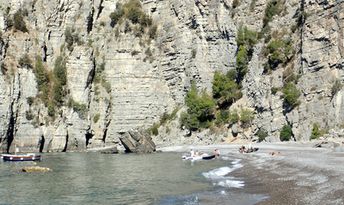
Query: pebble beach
{"type": "Point", "coordinates": [288, 173]}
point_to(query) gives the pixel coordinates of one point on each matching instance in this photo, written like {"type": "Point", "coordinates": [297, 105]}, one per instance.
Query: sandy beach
{"type": "Point", "coordinates": [289, 173]}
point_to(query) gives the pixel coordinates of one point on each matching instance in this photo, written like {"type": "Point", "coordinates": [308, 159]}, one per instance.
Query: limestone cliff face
{"type": "Point", "coordinates": [118, 80]}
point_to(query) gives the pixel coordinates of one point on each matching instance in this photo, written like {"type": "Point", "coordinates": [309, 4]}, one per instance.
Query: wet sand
{"type": "Point", "coordinates": [297, 173]}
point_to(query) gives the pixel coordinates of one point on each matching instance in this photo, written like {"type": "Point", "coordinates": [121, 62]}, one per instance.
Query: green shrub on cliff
{"type": "Point", "coordinates": [132, 10]}
{"type": "Point", "coordinates": [225, 90]}
{"type": "Point", "coordinates": [79, 108]}
{"type": "Point", "coordinates": [286, 133]}
{"type": "Point", "coordinates": [262, 134]}
{"type": "Point", "coordinates": [246, 117]}
{"type": "Point", "coordinates": [317, 131]}
{"type": "Point", "coordinates": [246, 39]}
{"type": "Point", "coordinates": [60, 77]}
{"type": "Point", "coordinates": [274, 7]}
{"type": "Point", "coordinates": [154, 130]}
{"type": "Point", "coordinates": [291, 95]}
{"type": "Point", "coordinates": [60, 70]}
{"type": "Point", "coordinates": [278, 51]}
{"type": "Point", "coordinates": [200, 110]}
{"type": "Point", "coordinates": [135, 18]}
{"type": "Point", "coordinates": [222, 117]}
{"type": "Point", "coordinates": [242, 61]}
{"type": "Point", "coordinates": [72, 37]}
{"type": "Point", "coordinates": [234, 117]}
{"type": "Point", "coordinates": [42, 80]}
{"type": "Point", "coordinates": [96, 118]}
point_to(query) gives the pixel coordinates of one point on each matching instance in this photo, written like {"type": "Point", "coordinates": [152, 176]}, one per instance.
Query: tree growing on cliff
{"type": "Point", "coordinates": [60, 80]}
{"type": "Point", "coordinates": [200, 112]}
{"type": "Point", "coordinates": [246, 39]}
{"type": "Point", "coordinates": [42, 79]}
{"type": "Point", "coordinates": [225, 90]}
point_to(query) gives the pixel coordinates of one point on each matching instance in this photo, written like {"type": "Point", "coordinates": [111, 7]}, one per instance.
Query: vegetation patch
{"type": "Point", "coordinates": [43, 80]}
{"type": "Point", "coordinates": [225, 89]}
{"type": "Point", "coordinates": [273, 8]}
{"type": "Point", "coordinates": [234, 117]}
{"type": "Point", "coordinates": [246, 117]}
{"type": "Point", "coordinates": [336, 87]}
{"type": "Point", "coordinates": [262, 134]}
{"type": "Point", "coordinates": [96, 118]}
{"type": "Point", "coordinates": [72, 37]}
{"type": "Point", "coordinates": [246, 39]}
{"type": "Point", "coordinates": [278, 51]}
{"type": "Point", "coordinates": [60, 80]}
{"type": "Point", "coordinates": [317, 131]}
{"type": "Point", "coordinates": [79, 108]}
{"type": "Point", "coordinates": [51, 85]}
{"type": "Point", "coordinates": [166, 117]}
{"type": "Point", "coordinates": [100, 78]}
{"type": "Point", "coordinates": [154, 129]}
{"type": "Point", "coordinates": [286, 133]}
{"type": "Point", "coordinates": [222, 117]}
{"type": "Point", "coordinates": [201, 109]}
{"type": "Point", "coordinates": [289, 76]}
{"type": "Point", "coordinates": [291, 95]}
{"type": "Point", "coordinates": [132, 10]}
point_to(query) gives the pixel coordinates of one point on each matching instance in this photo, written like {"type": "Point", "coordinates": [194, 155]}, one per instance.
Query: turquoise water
{"type": "Point", "coordinates": [93, 178]}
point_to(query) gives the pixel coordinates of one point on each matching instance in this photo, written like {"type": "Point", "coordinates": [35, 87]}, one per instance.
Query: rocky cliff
{"type": "Point", "coordinates": [72, 78]}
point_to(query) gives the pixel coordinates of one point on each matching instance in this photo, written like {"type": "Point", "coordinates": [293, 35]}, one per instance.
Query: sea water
{"type": "Point", "coordinates": [93, 178]}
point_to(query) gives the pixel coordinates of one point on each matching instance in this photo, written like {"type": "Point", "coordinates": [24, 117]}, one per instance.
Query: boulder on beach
{"type": "Point", "coordinates": [137, 142]}
{"type": "Point", "coordinates": [32, 169]}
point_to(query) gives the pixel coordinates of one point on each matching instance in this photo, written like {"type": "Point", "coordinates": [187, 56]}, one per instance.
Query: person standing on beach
{"type": "Point", "coordinates": [217, 153]}
{"type": "Point", "coordinates": [192, 153]}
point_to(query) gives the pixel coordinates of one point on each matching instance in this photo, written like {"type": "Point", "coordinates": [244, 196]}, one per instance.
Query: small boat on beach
{"type": "Point", "coordinates": [196, 158]}
{"type": "Point", "coordinates": [21, 157]}
{"type": "Point", "coordinates": [209, 157]}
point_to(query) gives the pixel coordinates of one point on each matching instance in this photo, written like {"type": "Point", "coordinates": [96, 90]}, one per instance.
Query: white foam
{"type": "Point", "coordinates": [236, 161]}
{"type": "Point", "coordinates": [230, 183]}
{"type": "Point", "coordinates": [217, 173]}
{"type": "Point", "coordinates": [220, 176]}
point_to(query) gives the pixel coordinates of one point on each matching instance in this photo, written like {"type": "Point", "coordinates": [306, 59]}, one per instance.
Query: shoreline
{"type": "Point", "coordinates": [297, 172]}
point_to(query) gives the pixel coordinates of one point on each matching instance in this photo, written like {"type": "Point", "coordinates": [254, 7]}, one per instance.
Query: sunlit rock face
{"type": "Point", "coordinates": [122, 77]}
